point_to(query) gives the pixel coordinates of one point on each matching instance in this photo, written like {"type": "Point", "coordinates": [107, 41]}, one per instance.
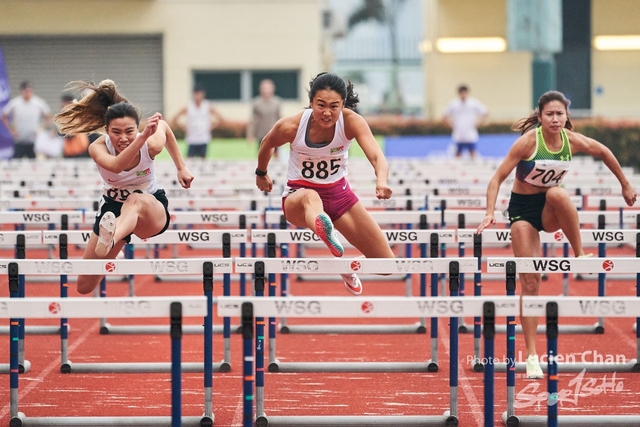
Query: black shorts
{"type": "Point", "coordinates": [111, 205]}
{"type": "Point", "coordinates": [527, 207]}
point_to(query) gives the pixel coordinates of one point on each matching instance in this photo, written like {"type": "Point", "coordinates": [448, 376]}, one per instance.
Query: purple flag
{"type": "Point", "coordinates": [6, 140]}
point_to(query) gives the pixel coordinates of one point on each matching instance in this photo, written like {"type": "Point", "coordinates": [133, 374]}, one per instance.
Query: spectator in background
{"type": "Point", "coordinates": [463, 115]}
{"type": "Point", "coordinates": [265, 112]}
{"type": "Point", "coordinates": [76, 145]}
{"type": "Point", "coordinates": [24, 116]}
{"type": "Point", "coordinates": [197, 120]}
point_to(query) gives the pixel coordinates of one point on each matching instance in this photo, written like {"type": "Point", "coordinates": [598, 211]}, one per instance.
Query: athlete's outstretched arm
{"type": "Point", "coordinates": [584, 144]}
{"type": "Point", "coordinates": [356, 127]}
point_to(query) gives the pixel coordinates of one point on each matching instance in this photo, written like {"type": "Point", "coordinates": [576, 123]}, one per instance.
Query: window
{"type": "Point", "coordinates": [242, 85]}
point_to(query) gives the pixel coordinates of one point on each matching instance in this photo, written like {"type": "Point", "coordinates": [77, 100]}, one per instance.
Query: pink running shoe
{"type": "Point", "coordinates": [326, 232]}
{"type": "Point", "coordinates": [105, 238]}
{"type": "Point", "coordinates": [352, 283]}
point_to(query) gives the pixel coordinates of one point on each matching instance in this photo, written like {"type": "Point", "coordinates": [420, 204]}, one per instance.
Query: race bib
{"type": "Point", "coordinates": [322, 170]}
{"type": "Point", "coordinates": [120, 194]}
{"type": "Point", "coordinates": [547, 173]}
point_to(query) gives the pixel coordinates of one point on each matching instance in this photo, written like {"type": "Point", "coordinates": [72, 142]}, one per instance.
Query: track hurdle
{"type": "Point", "coordinates": [48, 308]}
{"type": "Point", "coordinates": [511, 266]}
{"type": "Point", "coordinates": [421, 237]}
{"type": "Point", "coordinates": [337, 307]}
{"type": "Point", "coordinates": [205, 267]}
{"type": "Point", "coordinates": [262, 267]}
{"type": "Point", "coordinates": [553, 308]}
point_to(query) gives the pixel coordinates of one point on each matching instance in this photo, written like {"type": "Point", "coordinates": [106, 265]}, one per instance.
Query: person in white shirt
{"type": "Point", "coordinates": [132, 202]}
{"type": "Point", "coordinates": [25, 116]}
{"type": "Point", "coordinates": [317, 195]}
{"type": "Point", "coordinates": [463, 115]}
{"type": "Point", "coordinates": [197, 119]}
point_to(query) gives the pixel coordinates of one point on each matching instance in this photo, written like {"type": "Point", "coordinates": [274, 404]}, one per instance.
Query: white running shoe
{"type": "Point", "coordinates": [352, 283]}
{"type": "Point", "coordinates": [534, 372]}
{"type": "Point", "coordinates": [105, 237]}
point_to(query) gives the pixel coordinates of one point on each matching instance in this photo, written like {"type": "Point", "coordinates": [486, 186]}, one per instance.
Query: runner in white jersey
{"type": "Point", "coordinates": [131, 203]}
{"type": "Point", "coordinates": [317, 195]}
{"type": "Point", "coordinates": [541, 157]}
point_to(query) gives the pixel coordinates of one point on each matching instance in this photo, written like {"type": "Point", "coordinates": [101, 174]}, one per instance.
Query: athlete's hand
{"type": "Point", "coordinates": [264, 183]}
{"type": "Point", "coordinates": [629, 194]}
{"type": "Point", "coordinates": [486, 222]}
{"type": "Point", "coordinates": [185, 177]}
{"type": "Point", "coordinates": [152, 125]}
{"type": "Point", "coordinates": [383, 191]}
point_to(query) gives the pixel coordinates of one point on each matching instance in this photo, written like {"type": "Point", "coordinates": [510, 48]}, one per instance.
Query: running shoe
{"type": "Point", "coordinates": [327, 233]}
{"type": "Point", "coordinates": [352, 283]}
{"type": "Point", "coordinates": [534, 372]}
{"type": "Point", "coordinates": [105, 237]}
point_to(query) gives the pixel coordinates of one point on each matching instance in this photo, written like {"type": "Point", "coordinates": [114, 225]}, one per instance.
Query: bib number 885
{"type": "Point", "coordinates": [320, 170]}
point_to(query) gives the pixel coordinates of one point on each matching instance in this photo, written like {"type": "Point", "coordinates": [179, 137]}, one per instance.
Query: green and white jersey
{"type": "Point", "coordinates": [545, 168]}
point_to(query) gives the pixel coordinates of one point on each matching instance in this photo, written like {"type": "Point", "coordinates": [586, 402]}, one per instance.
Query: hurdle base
{"type": "Point", "coordinates": [562, 329]}
{"type": "Point", "coordinates": [36, 330]}
{"type": "Point", "coordinates": [109, 329]}
{"type": "Point", "coordinates": [477, 365]}
{"type": "Point", "coordinates": [415, 328]}
{"type": "Point", "coordinates": [21, 420]}
{"type": "Point", "coordinates": [428, 366]}
{"type": "Point", "coordinates": [5, 368]}
{"type": "Point", "coordinates": [359, 421]}
{"type": "Point", "coordinates": [576, 367]}
{"type": "Point", "coordinates": [572, 420]}
{"type": "Point", "coordinates": [152, 367]}
{"type": "Point", "coordinates": [364, 278]}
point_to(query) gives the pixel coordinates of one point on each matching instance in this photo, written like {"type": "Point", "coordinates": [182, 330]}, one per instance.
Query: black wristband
{"type": "Point", "coordinates": [261, 173]}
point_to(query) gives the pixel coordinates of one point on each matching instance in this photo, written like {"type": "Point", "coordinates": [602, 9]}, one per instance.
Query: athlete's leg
{"type": "Point", "coordinates": [560, 213]}
{"type": "Point", "coordinates": [525, 242]}
{"type": "Point", "coordinates": [302, 207]}
{"type": "Point", "coordinates": [87, 283]}
{"type": "Point", "coordinates": [142, 215]}
{"type": "Point", "coordinates": [361, 230]}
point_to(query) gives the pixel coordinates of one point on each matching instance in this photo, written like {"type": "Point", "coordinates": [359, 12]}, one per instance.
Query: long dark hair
{"type": "Point", "coordinates": [95, 110]}
{"type": "Point", "coordinates": [335, 83]}
{"type": "Point", "coordinates": [533, 120]}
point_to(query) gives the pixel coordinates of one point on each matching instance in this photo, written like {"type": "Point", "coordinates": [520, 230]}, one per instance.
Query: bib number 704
{"type": "Point", "coordinates": [321, 169]}
{"type": "Point", "coordinates": [546, 176]}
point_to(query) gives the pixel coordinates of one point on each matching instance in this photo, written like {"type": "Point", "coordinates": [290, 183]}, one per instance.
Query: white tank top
{"type": "Point", "coordinates": [320, 164]}
{"type": "Point", "coordinates": [141, 178]}
{"type": "Point", "coordinates": [198, 123]}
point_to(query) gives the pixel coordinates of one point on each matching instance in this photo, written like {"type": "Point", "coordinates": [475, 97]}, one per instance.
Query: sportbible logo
{"type": "Point", "coordinates": [367, 307]}
{"type": "Point", "coordinates": [356, 265]}
{"type": "Point", "coordinates": [54, 308]}
{"type": "Point", "coordinates": [607, 265]}
{"type": "Point", "coordinates": [110, 267]}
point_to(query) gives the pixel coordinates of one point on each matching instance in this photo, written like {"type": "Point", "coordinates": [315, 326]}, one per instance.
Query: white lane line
{"type": "Point", "coordinates": [53, 365]}
{"type": "Point", "coordinates": [238, 415]}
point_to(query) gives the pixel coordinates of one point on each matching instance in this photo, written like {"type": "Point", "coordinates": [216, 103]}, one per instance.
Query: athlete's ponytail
{"type": "Point", "coordinates": [96, 109]}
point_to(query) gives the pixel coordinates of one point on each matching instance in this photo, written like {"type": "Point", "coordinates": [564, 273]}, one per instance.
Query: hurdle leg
{"type": "Point", "coordinates": [433, 366]}
{"type": "Point", "coordinates": [207, 281]}
{"type": "Point", "coordinates": [21, 324]}
{"type": "Point", "coordinates": [477, 291]}
{"type": "Point", "coordinates": [247, 365]}
{"type": "Point", "coordinates": [511, 348]}
{"type": "Point", "coordinates": [489, 331]}
{"type": "Point", "coordinates": [128, 254]}
{"type": "Point", "coordinates": [423, 288]}
{"type": "Point", "coordinates": [176, 371]}
{"type": "Point", "coordinates": [259, 342]}
{"type": "Point", "coordinates": [454, 287]}
{"type": "Point", "coordinates": [552, 367]}
{"type": "Point", "coordinates": [602, 281]}
{"type": "Point", "coordinates": [565, 276]}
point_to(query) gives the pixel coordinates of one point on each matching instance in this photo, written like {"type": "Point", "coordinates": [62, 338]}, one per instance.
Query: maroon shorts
{"type": "Point", "coordinates": [336, 198]}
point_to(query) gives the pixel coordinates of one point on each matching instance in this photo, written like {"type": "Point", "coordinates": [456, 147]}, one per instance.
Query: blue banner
{"type": "Point", "coordinates": [6, 140]}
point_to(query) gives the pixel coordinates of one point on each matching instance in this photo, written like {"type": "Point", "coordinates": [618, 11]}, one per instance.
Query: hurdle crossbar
{"type": "Point", "coordinates": [46, 308]}
{"type": "Point", "coordinates": [554, 308]}
{"type": "Point", "coordinates": [336, 307]}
